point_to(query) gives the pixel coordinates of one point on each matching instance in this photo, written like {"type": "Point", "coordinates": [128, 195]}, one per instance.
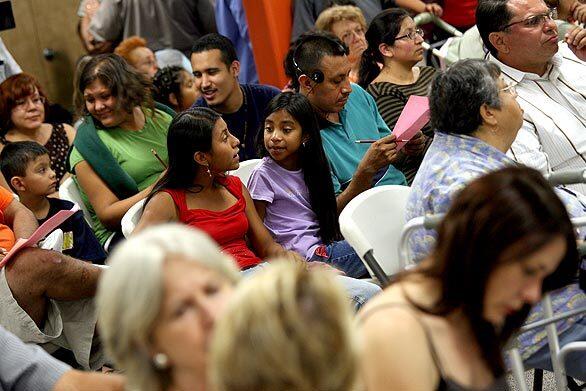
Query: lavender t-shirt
{"type": "Point", "coordinates": [289, 216]}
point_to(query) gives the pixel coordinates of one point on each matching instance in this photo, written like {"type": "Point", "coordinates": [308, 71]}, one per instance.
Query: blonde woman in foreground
{"type": "Point", "coordinates": [285, 329]}
{"type": "Point", "coordinates": [157, 305]}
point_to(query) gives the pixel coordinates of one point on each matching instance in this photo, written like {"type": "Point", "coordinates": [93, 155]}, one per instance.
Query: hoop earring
{"type": "Point", "coordinates": [161, 361]}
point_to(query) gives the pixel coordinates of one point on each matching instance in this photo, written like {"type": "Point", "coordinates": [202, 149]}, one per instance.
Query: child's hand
{"type": "Point", "coordinates": [293, 256]}
{"type": "Point", "coordinates": [316, 265]}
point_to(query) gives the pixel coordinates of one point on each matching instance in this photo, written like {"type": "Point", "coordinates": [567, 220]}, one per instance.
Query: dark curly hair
{"type": "Point", "coordinates": [167, 81]}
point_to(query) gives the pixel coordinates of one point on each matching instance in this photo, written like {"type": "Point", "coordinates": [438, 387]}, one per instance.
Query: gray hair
{"type": "Point", "coordinates": [458, 93]}
{"type": "Point", "coordinates": [130, 294]}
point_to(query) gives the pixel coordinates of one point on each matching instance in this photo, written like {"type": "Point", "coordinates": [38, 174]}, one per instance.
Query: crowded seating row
{"type": "Point", "coordinates": [506, 238]}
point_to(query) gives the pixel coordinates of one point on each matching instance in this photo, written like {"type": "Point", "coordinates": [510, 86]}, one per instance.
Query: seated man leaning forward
{"type": "Point", "coordinates": [550, 79]}
{"type": "Point", "coordinates": [45, 296]}
{"type": "Point", "coordinates": [477, 117]}
{"type": "Point", "coordinates": [357, 141]}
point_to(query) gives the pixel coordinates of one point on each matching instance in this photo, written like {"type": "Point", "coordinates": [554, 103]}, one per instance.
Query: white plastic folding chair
{"type": "Point", "coordinates": [245, 170]}
{"type": "Point", "coordinates": [372, 223]}
{"type": "Point", "coordinates": [69, 191]}
{"type": "Point", "coordinates": [132, 217]}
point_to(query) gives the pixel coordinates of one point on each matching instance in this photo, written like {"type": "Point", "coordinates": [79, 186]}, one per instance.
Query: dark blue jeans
{"type": "Point", "coordinates": [576, 362]}
{"type": "Point", "coordinates": [343, 257]}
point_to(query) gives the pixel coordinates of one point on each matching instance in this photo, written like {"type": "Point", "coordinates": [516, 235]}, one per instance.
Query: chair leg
{"type": "Point", "coordinates": [537, 379]}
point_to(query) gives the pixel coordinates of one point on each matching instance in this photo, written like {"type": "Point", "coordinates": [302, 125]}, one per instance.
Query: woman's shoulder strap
{"type": "Point", "coordinates": [409, 309]}
{"type": "Point", "coordinates": [179, 198]}
{"type": "Point", "coordinates": [234, 184]}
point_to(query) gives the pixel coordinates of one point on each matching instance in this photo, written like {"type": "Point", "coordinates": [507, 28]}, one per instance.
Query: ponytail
{"type": "Point", "coordinates": [369, 68]}
{"type": "Point", "coordinates": [383, 29]}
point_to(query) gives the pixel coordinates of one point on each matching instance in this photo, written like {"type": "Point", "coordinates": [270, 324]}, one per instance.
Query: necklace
{"type": "Point", "coordinates": [245, 105]}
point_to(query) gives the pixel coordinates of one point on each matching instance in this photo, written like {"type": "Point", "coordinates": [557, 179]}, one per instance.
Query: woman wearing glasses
{"type": "Point", "coordinates": [22, 118]}
{"type": "Point", "coordinates": [395, 42]}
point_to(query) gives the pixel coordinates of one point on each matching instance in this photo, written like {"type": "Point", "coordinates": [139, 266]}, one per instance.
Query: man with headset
{"type": "Point", "coordinates": [356, 139]}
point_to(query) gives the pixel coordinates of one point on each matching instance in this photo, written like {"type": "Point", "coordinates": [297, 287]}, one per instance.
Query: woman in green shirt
{"type": "Point", "coordinates": [113, 157]}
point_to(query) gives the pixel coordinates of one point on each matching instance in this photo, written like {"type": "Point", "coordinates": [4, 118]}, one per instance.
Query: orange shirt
{"type": "Point", "coordinates": [7, 238]}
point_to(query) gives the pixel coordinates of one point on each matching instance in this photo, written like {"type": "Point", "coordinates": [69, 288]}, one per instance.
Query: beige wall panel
{"type": "Point", "coordinates": [47, 24]}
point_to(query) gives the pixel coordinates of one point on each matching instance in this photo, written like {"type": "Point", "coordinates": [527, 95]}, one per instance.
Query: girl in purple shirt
{"type": "Point", "coordinates": [292, 187]}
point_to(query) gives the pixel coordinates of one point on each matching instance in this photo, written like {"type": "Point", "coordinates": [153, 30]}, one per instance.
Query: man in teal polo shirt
{"type": "Point", "coordinates": [356, 139]}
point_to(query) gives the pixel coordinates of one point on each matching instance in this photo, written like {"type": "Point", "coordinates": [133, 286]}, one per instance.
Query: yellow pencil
{"type": "Point", "coordinates": [154, 152]}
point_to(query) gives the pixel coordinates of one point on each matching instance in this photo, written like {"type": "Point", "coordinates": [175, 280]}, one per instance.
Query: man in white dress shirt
{"type": "Point", "coordinates": [550, 79]}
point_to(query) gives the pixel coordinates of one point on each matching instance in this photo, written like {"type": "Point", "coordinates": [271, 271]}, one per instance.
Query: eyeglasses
{"type": "Point", "coordinates": [536, 20]}
{"type": "Point", "coordinates": [21, 104]}
{"type": "Point", "coordinates": [412, 35]}
{"type": "Point", "coordinates": [510, 88]}
{"type": "Point", "coordinates": [349, 35]}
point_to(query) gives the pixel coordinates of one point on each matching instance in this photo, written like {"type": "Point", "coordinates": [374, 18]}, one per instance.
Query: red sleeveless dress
{"type": "Point", "coordinates": [228, 227]}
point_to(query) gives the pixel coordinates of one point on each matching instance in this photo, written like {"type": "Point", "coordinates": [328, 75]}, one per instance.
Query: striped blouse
{"type": "Point", "coordinates": [553, 135]}
{"type": "Point", "coordinates": [391, 99]}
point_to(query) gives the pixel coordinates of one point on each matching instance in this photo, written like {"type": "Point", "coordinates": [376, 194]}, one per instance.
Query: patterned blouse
{"type": "Point", "coordinates": [449, 164]}
{"type": "Point", "coordinates": [58, 146]}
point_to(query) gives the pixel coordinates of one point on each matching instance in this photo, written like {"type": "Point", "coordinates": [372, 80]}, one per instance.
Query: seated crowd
{"type": "Point", "coordinates": [160, 137]}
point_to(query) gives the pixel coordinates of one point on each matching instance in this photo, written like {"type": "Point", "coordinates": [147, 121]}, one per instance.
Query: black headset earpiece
{"type": "Point", "coordinates": [317, 76]}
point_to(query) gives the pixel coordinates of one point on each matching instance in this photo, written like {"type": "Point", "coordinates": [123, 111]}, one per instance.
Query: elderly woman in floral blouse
{"type": "Point", "coordinates": [476, 119]}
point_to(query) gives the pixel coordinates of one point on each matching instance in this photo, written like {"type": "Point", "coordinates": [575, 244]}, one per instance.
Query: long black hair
{"type": "Point", "coordinates": [189, 132]}
{"type": "Point", "coordinates": [314, 164]}
{"type": "Point", "coordinates": [383, 29]}
{"type": "Point", "coordinates": [500, 218]}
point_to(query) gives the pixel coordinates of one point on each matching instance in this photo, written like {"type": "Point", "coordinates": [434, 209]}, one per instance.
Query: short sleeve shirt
{"type": "Point", "coordinates": [132, 150]}
{"type": "Point", "coordinates": [289, 216]}
{"type": "Point", "coordinates": [359, 119]}
{"type": "Point", "coordinates": [79, 240]}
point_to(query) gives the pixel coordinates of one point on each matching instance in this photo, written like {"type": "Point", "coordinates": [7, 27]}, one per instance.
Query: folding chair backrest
{"type": "Point", "coordinates": [245, 170]}
{"type": "Point", "coordinates": [69, 191]}
{"type": "Point", "coordinates": [374, 220]}
{"type": "Point", "coordinates": [131, 218]}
